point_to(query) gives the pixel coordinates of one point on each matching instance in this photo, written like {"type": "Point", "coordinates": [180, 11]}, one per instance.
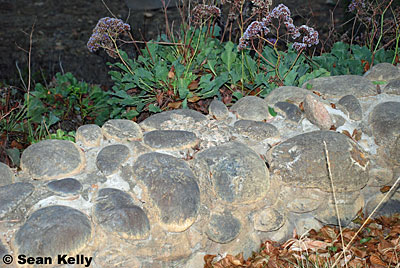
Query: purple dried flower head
{"type": "Point", "coordinates": [299, 46]}
{"type": "Point", "coordinates": [253, 31]}
{"type": "Point", "coordinates": [310, 38]}
{"type": "Point", "coordinates": [202, 13]}
{"type": "Point", "coordinates": [356, 5]}
{"type": "Point", "coordinates": [293, 30]}
{"type": "Point", "coordinates": [281, 13]}
{"type": "Point", "coordinates": [261, 7]}
{"type": "Point", "coordinates": [106, 30]}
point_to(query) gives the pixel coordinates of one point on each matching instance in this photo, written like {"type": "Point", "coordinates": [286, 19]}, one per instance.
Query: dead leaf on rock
{"type": "Point", "coordinates": [174, 105]}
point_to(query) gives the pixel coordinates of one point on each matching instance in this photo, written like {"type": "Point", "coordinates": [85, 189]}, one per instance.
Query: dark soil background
{"type": "Point", "coordinates": [62, 29]}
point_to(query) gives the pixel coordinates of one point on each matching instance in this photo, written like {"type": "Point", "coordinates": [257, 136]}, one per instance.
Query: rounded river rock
{"type": "Point", "coordinates": [52, 159]}
{"type": "Point", "coordinates": [223, 227]}
{"type": "Point", "coordinates": [111, 157]}
{"type": "Point", "coordinates": [116, 212]}
{"type": "Point", "coordinates": [236, 172]}
{"type": "Point", "coordinates": [171, 186]}
{"type": "Point", "coordinates": [300, 161]}
{"type": "Point", "coordinates": [170, 139]}
{"type": "Point", "coordinates": [53, 230]}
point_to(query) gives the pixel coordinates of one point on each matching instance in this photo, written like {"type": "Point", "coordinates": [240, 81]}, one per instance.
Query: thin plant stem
{"type": "Point", "coordinates": [381, 34]}
{"type": "Point", "coordinates": [119, 55]}
{"type": "Point", "coordinates": [29, 61]}
{"type": "Point", "coordinates": [328, 165]}
{"type": "Point", "coordinates": [108, 9]}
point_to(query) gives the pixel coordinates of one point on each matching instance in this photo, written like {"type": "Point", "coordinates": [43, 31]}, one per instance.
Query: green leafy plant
{"type": "Point", "coordinates": [66, 99]}
{"type": "Point", "coordinates": [350, 59]}
{"type": "Point", "coordinates": [195, 64]}
{"type": "Point", "coordinates": [176, 70]}
{"type": "Point", "coordinates": [59, 135]}
{"type": "Point", "coordinates": [171, 76]}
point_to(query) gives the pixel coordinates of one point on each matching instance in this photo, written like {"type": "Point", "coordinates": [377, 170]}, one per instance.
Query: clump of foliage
{"type": "Point", "coordinates": [66, 99]}
{"type": "Point", "coordinates": [194, 65]}
{"type": "Point", "coordinates": [350, 59]}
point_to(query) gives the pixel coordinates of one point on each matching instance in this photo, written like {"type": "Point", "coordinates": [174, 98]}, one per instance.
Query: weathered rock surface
{"type": "Point", "coordinates": [237, 174]}
{"type": "Point", "coordinates": [111, 158]}
{"type": "Point", "coordinates": [383, 72]}
{"type": "Point", "coordinates": [170, 139]}
{"type": "Point", "coordinates": [115, 211]}
{"type": "Point", "coordinates": [218, 110]}
{"type": "Point", "coordinates": [90, 135]}
{"type": "Point", "coordinates": [290, 94]}
{"type": "Point", "coordinates": [223, 227]}
{"type": "Point", "coordinates": [352, 106]}
{"type": "Point", "coordinates": [181, 184]}
{"type": "Point", "coordinates": [12, 195]}
{"type": "Point", "coordinates": [258, 112]}
{"type": "Point", "coordinates": [256, 130]}
{"type": "Point", "coordinates": [171, 187]}
{"type": "Point", "coordinates": [301, 162]}
{"type": "Point", "coordinates": [393, 87]}
{"type": "Point", "coordinates": [291, 111]}
{"type": "Point", "coordinates": [122, 130]}
{"type": "Point", "coordinates": [339, 86]}
{"type": "Point", "coordinates": [317, 113]}
{"type": "Point", "coordinates": [52, 159]}
{"type": "Point", "coordinates": [65, 186]}
{"type": "Point", "coordinates": [385, 122]}
{"type": "Point", "coordinates": [53, 230]}
{"type": "Point", "coordinates": [157, 121]}
{"type": "Point", "coordinates": [6, 175]}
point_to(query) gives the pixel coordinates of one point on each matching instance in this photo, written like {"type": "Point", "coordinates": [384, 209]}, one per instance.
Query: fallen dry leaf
{"type": "Point", "coordinates": [345, 132]}
{"type": "Point", "coordinates": [174, 105]}
{"type": "Point", "coordinates": [374, 259]}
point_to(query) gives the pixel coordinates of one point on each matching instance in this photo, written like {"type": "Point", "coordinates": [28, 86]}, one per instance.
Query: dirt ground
{"type": "Point", "coordinates": [62, 29]}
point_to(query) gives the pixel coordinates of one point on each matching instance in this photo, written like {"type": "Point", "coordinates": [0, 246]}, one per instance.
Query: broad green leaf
{"type": "Point", "coordinates": [361, 53]}
{"type": "Point", "coordinates": [52, 119]}
{"type": "Point", "coordinates": [380, 56]}
{"type": "Point", "coordinates": [314, 74]}
{"type": "Point", "coordinates": [379, 82]}
{"type": "Point", "coordinates": [144, 74]}
{"type": "Point", "coordinates": [228, 56]}
{"type": "Point", "coordinates": [250, 64]}
{"type": "Point", "coordinates": [14, 155]}
{"type": "Point", "coordinates": [340, 50]}
{"type": "Point", "coordinates": [290, 78]}
{"type": "Point", "coordinates": [123, 54]}
{"type": "Point", "coordinates": [184, 103]}
{"type": "Point", "coordinates": [161, 72]}
{"type": "Point", "coordinates": [154, 109]}
{"type": "Point", "coordinates": [355, 67]}
{"type": "Point", "coordinates": [183, 88]}
{"type": "Point", "coordinates": [235, 76]}
{"type": "Point", "coordinates": [272, 111]}
{"type": "Point", "coordinates": [115, 75]}
{"type": "Point", "coordinates": [211, 65]}
{"type": "Point", "coordinates": [128, 77]}
{"type": "Point", "coordinates": [270, 55]}
{"type": "Point", "coordinates": [116, 111]}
